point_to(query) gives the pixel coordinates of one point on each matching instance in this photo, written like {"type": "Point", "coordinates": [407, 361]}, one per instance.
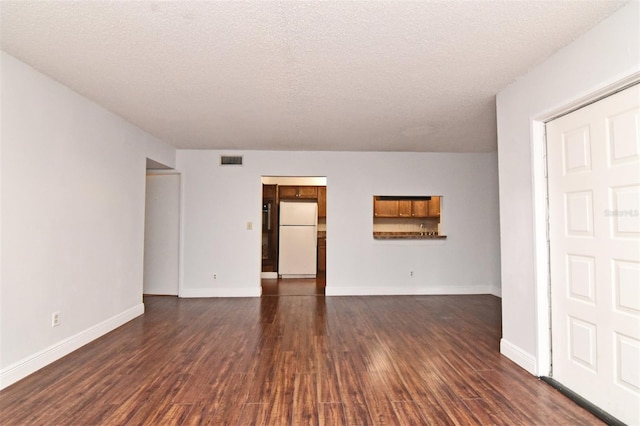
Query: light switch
{"type": "Point", "coordinates": [249, 226]}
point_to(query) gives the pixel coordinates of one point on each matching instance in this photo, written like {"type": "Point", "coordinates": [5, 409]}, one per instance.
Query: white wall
{"type": "Point", "coordinates": [603, 56]}
{"type": "Point", "coordinates": [72, 219]}
{"type": "Point", "coordinates": [219, 201]}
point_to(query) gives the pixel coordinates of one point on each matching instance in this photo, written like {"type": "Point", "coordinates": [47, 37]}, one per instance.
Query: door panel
{"type": "Point", "coordinates": [594, 221]}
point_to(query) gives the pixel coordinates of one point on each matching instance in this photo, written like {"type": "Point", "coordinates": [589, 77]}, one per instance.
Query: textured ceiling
{"type": "Point", "coordinates": [374, 76]}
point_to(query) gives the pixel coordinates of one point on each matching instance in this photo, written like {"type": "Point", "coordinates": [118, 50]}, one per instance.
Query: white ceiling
{"type": "Point", "coordinates": [298, 75]}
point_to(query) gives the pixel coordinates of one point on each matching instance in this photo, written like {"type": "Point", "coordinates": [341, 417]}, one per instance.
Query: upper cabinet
{"type": "Point", "coordinates": [406, 207]}
{"type": "Point", "coordinates": [322, 201]}
{"type": "Point", "coordinates": [310, 192]}
{"type": "Point", "coordinates": [269, 192]}
{"type": "Point", "coordinates": [383, 207]}
{"type": "Point", "coordinates": [420, 208]}
{"type": "Point", "coordinates": [298, 192]}
{"type": "Point", "coordinates": [304, 192]}
{"type": "Point", "coordinates": [434, 206]}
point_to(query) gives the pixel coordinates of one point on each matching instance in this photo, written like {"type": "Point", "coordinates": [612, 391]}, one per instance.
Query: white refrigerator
{"type": "Point", "coordinates": [297, 254]}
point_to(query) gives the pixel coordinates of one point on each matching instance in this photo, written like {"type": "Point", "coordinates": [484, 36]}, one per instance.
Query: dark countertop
{"type": "Point", "coordinates": [406, 236]}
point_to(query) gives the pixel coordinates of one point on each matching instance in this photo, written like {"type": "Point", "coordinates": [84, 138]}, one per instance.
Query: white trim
{"type": "Point", "coordinates": [517, 355]}
{"type": "Point", "coordinates": [496, 290]}
{"type": "Point", "coordinates": [621, 82]}
{"type": "Point", "coordinates": [221, 292]}
{"type": "Point", "coordinates": [35, 362]}
{"type": "Point", "coordinates": [182, 232]}
{"type": "Point", "coordinates": [406, 291]}
{"type": "Point", "coordinates": [541, 252]}
{"type": "Point", "coordinates": [294, 276]}
{"type": "Point", "coordinates": [157, 172]}
{"type": "Point", "coordinates": [269, 275]}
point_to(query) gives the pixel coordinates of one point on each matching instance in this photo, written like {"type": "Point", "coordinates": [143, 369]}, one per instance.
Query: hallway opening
{"type": "Point", "coordinates": [294, 286]}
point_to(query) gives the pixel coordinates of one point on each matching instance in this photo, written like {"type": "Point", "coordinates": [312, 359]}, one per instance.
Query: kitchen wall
{"type": "Point", "coordinates": [72, 219]}
{"type": "Point", "coordinates": [218, 202]}
{"type": "Point", "coordinates": [607, 53]}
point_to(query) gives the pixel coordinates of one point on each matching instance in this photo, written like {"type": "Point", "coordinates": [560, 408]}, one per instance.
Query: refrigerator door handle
{"type": "Point", "coordinates": [269, 217]}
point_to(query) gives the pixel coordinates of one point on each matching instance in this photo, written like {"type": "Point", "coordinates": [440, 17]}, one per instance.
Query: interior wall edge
{"type": "Point", "coordinates": [519, 356]}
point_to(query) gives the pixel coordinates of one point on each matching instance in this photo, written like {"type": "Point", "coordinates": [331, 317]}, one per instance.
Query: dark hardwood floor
{"type": "Point", "coordinates": [304, 360]}
{"type": "Point", "coordinates": [294, 286]}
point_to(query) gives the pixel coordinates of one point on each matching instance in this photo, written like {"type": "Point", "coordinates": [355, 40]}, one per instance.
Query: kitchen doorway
{"type": "Point", "coordinates": [294, 242]}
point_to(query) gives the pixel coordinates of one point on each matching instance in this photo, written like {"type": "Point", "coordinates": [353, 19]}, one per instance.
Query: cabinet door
{"type": "Point", "coordinates": [308, 192]}
{"type": "Point", "coordinates": [434, 207]}
{"type": "Point", "coordinates": [288, 191]}
{"type": "Point", "coordinates": [322, 201]}
{"type": "Point", "coordinates": [404, 208]}
{"type": "Point", "coordinates": [420, 208]}
{"type": "Point", "coordinates": [385, 208]}
{"type": "Point", "coordinates": [269, 192]}
{"type": "Point", "coordinates": [322, 254]}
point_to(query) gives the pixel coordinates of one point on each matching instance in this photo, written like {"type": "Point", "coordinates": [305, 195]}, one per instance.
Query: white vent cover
{"type": "Point", "coordinates": [231, 160]}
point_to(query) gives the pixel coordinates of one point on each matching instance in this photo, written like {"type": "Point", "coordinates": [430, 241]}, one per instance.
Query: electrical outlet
{"type": "Point", "coordinates": [55, 319]}
{"type": "Point", "coordinates": [215, 276]}
{"type": "Point", "coordinates": [411, 274]}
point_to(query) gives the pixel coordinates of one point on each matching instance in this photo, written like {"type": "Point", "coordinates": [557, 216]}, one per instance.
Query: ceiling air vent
{"type": "Point", "coordinates": [231, 160]}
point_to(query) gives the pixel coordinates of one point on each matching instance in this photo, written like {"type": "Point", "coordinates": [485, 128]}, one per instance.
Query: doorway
{"type": "Point", "coordinates": [161, 233]}
{"type": "Point", "coordinates": [593, 157]}
{"type": "Point", "coordinates": [279, 191]}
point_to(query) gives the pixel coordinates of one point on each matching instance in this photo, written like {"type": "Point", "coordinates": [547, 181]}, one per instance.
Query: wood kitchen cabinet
{"type": "Point", "coordinates": [269, 192]}
{"type": "Point", "coordinates": [285, 192]}
{"type": "Point", "coordinates": [269, 228]}
{"type": "Point", "coordinates": [297, 192]}
{"type": "Point", "coordinates": [420, 208]}
{"type": "Point", "coordinates": [322, 254]}
{"type": "Point", "coordinates": [310, 192]}
{"type": "Point", "coordinates": [434, 207]}
{"type": "Point", "coordinates": [322, 201]}
{"type": "Point", "coordinates": [383, 207]}
{"type": "Point", "coordinates": [404, 208]}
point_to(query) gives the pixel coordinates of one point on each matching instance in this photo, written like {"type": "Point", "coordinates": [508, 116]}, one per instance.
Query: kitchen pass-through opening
{"type": "Point", "coordinates": [294, 232]}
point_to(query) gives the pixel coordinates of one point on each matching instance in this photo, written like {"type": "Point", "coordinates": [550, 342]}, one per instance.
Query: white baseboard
{"type": "Point", "coordinates": [221, 292]}
{"type": "Point", "coordinates": [496, 291]}
{"type": "Point", "coordinates": [269, 275]}
{"type": "Point", "coordinates": [406, 291]}
{"type": "Point", "coordinates": [293, 276]}
{"type": "Point", "coordinates": [517, 355]}
{"type": "Point", "coordinates": [35, 362]}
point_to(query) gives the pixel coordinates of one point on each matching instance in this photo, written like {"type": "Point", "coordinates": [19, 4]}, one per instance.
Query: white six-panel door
{"type": "Point", "coordinates": [594, 217]}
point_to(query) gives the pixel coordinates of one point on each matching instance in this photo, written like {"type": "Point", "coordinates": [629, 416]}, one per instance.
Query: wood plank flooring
{"type": "Point", "coordinates": [294, 286]}
{"type": "Point", "coordinates": [294, 360]}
